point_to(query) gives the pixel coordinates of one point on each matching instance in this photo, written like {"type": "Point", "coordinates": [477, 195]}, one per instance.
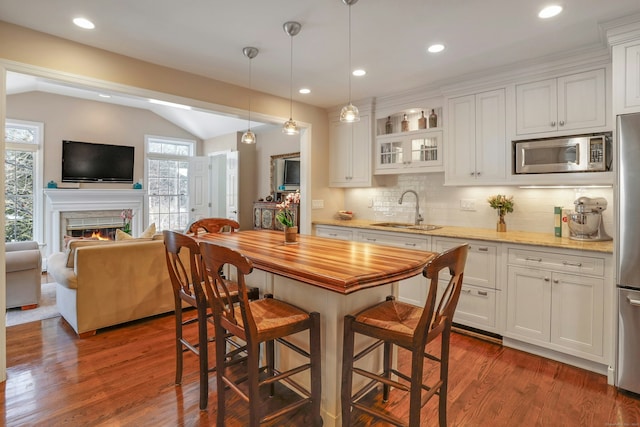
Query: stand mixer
{"type": "Point", "coordinates": [586, 222]}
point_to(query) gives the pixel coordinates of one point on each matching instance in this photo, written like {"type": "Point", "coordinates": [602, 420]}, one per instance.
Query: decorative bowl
{"type": "Point", "coordinates": [345, 214]}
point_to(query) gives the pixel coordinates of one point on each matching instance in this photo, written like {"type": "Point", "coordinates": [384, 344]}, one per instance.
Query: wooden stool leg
{"type": "Point", "coordinates": [270, 354]}
{"type": "Point", "coordinates": [347, 367]}
{"type": "Point", "coordinates": [387, 360]}
{"type": "Point", "coordinates": [203, 355]}
{"type": "Point", "coordinates": [220, 371]}
{"type": "Point", "coordinates": [253, 365]}
{"type": "Point", "coordinates": [178, 345]}
{"type": "Point", "coordinates": [316, 371]}
{"type": "Point", "coordinates": [415, 395]}
{"type": "Point", "coordinates": [444, 376]}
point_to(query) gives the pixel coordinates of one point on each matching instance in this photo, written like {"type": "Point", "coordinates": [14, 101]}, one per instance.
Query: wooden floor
{"type": "Point", "coordinates": [124, 376]}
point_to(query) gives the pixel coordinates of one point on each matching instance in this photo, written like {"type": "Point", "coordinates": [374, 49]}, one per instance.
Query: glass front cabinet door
{"type": "Point", "coordinates": [411, 152]}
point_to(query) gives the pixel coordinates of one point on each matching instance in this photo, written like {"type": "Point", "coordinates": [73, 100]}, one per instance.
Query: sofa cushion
{"type": "Point", "coordinates": [68, 239]}
{"type": "Point", "coordinates": [74, 244]}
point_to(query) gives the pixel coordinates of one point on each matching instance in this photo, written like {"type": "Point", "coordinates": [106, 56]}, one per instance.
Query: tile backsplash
{"type": "Point", "coordinates": [533, 208]}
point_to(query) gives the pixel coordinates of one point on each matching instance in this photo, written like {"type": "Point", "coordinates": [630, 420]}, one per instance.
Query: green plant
{"type": "Point", "coordinates": [502, 203]}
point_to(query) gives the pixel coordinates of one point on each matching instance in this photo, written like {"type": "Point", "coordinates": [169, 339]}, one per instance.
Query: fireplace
{"type": "Point", "coordinates": [70, 211]}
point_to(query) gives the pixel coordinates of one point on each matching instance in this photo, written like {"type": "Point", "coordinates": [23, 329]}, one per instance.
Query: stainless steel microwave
{"type": "Point", "coordinates": [582, 153]}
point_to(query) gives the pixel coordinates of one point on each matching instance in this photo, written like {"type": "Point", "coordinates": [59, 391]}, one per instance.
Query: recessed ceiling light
{"type": "Point", "coordinates": [550, 11]}
{"type": "Point", "coordinates": [359, 72]}
{"type": "Point", "coordinates": [84, 23]}
{"type": "Point", "coordinates": [435, 48]}
{"type": "Point", "coordinates": [304, 91]}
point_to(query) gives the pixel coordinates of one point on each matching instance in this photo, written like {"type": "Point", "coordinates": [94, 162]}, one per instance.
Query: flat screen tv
{"type": "Point", "coordinates": [90, 162]}
{"type": "Point", "coordinates": [291, 173]}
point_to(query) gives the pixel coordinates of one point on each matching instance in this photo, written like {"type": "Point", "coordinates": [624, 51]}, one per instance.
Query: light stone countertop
{"type": "Point", "coordinates": [519, 237]}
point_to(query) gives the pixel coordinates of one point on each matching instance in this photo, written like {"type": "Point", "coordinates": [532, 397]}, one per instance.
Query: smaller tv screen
{"type": "Point", "coordinates": [91, 162]}
{"type": "Point", "coordinates": [291, 172]}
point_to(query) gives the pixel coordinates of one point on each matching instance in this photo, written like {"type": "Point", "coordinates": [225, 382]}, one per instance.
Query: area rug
{"type": "Point", "coordinates": [45, 310]}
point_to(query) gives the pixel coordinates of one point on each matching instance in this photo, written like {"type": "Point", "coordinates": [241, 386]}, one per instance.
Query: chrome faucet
{"type": "Point", "coordinates": [419, 218]}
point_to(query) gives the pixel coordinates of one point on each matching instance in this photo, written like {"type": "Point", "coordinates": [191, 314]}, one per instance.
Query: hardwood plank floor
{"type": "Point", "coordinates": [124, 376]}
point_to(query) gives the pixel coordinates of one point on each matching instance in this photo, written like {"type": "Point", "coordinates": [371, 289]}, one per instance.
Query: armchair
{"type": "Point", "coordinates": [23, 271]}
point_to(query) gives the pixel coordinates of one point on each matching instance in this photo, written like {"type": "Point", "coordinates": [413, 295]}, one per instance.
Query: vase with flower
{"type": "Point", "coordinates": [503, 205]}
{"type": "Point", "coordinates": [126, 215]}
{"type": "Point", "coordinates": [286, 217]}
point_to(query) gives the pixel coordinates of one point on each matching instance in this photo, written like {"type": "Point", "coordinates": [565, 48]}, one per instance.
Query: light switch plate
{"type": "Point", "coordinates": [317, 204]}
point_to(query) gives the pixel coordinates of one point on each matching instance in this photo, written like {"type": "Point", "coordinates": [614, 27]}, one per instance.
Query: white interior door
{"type": "Point", "coordinates": [232, 185]}
{"type": "Point", "coordinates": [199, 204]}
{"type": "Point", "coordinates": [218, 184]}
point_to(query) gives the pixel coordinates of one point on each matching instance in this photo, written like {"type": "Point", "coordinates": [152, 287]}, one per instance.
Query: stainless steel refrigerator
{"type": "Point", "coordinates": [628, 252]}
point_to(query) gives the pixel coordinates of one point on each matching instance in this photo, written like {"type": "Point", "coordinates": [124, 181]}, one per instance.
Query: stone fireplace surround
{"type": "Point", "coordinates": [62, 204]}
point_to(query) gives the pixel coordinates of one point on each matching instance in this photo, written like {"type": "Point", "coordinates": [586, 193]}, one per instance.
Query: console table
{"type": "Point", "coordinates": [264, 216]}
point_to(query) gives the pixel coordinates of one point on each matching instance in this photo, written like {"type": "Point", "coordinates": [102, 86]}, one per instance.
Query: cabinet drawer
{"type": "Point", "coordinates": [481, 266]}
{"type": "Point", "coordinates": [399, 240]}
{"type": "Point", "coordinates": [557, 261]}
{"type": "Point", "coordinates": [476, 307]}
{"type": "Point", "coordinates": [339, 233]}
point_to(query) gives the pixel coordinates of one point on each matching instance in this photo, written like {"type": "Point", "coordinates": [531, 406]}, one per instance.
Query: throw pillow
{"type": "Point", "coordinates": [68, 239]}
{"type": "Point", "coordinates": [75, 244]}
{"type": "Point", "coordinates": [146, 234]}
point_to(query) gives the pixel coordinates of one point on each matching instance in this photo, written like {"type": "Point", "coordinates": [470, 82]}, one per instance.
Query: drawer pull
{"type": "Point", "coordinates": [410, 244]}
{"type": "Point", "coordinates": [466, 291]}
{"type": "Point", "coordinates": [371, 239]}
{"type": "Point", "coordinates": [572, 264]}
{"type": "Point", "coordinates": [533, 259]}
{"type": "Point", "coordinates": [483, 293]}
{"type": "Point", "coordinates": [483, 249]}
{"type": "Point", "coordinates": [546, 279]}
{"type": "Point", "coordinates": [333, 234]}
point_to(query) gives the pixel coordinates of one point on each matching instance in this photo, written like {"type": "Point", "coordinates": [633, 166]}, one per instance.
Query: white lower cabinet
{"type": "Point", "coordinates": [556, 300]}
{"type": "Point", "coordinates": [340, 233]}
{"type": "Point", "coordinates": [477, 306]}
{"type": "Point", "coordinates": [414, 289]}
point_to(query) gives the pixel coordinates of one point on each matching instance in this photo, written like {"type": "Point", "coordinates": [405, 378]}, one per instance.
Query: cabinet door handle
{"type": "Point", "coordinates": [533, 259]}
{"type": "Point", "coordinates": [572, 264]}
{"type": "Point", "coordinates": [556, 281]}
{"type": "Point", "coordinates": [561, 123]}
{"type": "Point", "coordinates": [483, 249]}
{"type": "Point", "coordinates": [633, 302]}
{"type": "Point", "coordinates": [477, 173]}
{"type": "Point", "coordinates": [553, 124]}
{"type": "Point", "coordinates": [482, 293]}
{"type": "Point", "coordinates": [546, 279]}
{"type": "Point", "coordinates": [472, 173]}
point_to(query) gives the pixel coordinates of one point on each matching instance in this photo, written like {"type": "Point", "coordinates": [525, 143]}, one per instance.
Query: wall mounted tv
{"type": "Point", "coordinates": [90, 162]}
{"type": "Point", "coordinates": [291, 178]}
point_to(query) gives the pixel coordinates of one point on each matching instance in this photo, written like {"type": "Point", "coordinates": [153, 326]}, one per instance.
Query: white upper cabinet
{"type": "Point", "coordinates": [350, 153]}
{"type": "Point", "coordinates": [626, 77]}
{"type": "Point", "coordinates": [476, 145]}
{"type": "Point", "coordinates": [568, 103]}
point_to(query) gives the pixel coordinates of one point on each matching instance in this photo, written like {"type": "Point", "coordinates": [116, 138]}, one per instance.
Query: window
{"type": "Point", "coordinates": [167, 175]}
{"type": "Point", "coordinates": [22, 172]}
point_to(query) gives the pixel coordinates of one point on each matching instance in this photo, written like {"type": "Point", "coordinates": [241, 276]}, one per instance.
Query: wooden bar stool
{"type": "Point", "coordinates": [255, 322]}
{"type": "Point", "coordinates": [183, 262]}
{"type": "Point", "coordinates": [212, 225]}
{"type": "Point", "coordinates": [396, 323]}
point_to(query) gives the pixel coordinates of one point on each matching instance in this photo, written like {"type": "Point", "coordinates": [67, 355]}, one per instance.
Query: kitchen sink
{"type": "Point", "coordinates": [424, 227]}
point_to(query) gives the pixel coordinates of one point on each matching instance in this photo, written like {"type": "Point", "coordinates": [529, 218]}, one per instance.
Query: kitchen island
{"type": "Point", "coordinates": [329, 276]}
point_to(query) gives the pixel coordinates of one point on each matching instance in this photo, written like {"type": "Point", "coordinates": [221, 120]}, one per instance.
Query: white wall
{"type": "Point", "coordinates": [440, 205]}
{"type": "Point", "coordinates": [271, 141]}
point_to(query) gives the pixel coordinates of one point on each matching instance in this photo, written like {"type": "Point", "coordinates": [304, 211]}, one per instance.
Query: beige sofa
{"type": "Point", "coordinates": [23, 270]}
{"type": "Point", "coordinates": [102, 284]}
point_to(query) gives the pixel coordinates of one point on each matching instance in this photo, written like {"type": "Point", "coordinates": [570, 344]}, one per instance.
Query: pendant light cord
{"type": "Point", "coordinates": [250, 93]}
{"type": "Point", "coordinates": [349, 71]}
{"type": "Point", "coordinates": [291, 82]}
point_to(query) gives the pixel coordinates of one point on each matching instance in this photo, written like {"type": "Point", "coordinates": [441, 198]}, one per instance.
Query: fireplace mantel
{"type": "Point", "coordinates": [60, 200]}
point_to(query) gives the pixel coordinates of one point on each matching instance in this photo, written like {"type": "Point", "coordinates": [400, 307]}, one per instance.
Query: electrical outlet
{"type": "Point", "coordinates": [468, 204]}
{"type": "Point", "coordinates": [317, 204]}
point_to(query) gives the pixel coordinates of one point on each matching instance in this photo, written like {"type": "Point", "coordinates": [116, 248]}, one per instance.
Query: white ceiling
{"type": "Point", "coordinates": [389, 38]}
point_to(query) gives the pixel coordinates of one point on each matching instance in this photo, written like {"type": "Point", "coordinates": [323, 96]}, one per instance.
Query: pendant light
{"type": "Point", "coordinates": [249, 137]}
{"type": "Point", "coordinates": [349, 113]}
{"type": "Point", "coordinates": [290, 127]}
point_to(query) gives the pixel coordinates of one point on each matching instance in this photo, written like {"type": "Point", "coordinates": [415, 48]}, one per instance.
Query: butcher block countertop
{"type": "Point", "coordinates": [337, 265]}
{"type": "Point", "coordinates": [519, 237]}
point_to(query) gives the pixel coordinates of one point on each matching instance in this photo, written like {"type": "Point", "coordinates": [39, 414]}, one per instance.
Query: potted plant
{"type": "Point", "coordinates": [286, 217]}
{"type": "Point", "coordinates": [503, 205]}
